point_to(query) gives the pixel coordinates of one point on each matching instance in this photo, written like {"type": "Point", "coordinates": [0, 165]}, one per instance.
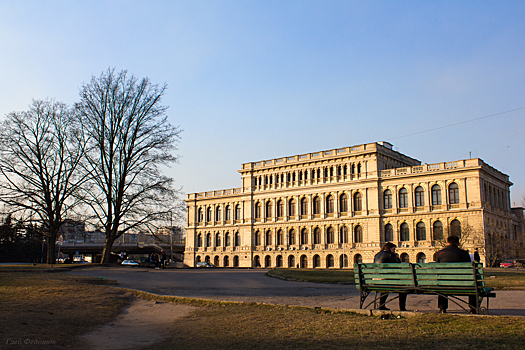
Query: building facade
{"type": "Point", "coordinates": [332, 208]}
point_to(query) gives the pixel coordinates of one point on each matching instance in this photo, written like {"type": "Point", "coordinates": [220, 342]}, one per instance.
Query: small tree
{"type": "Point", "coordinates": [467, 235]}
{"type": "Point", "coordinates": [496, 245]}
{"type": "Point", "coordinates": [130, 139]}
{"type": "Point", "coordinates": [40, 153]}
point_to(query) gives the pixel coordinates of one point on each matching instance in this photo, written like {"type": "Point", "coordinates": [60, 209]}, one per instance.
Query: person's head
{"type": "Point", "coordinates": [389, 247]}
{"type": "Point", "coordinates": [453, 240]}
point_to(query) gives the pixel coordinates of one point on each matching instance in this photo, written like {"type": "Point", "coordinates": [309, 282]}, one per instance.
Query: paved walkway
{"type": "Point", "coordinates": [254, 286]}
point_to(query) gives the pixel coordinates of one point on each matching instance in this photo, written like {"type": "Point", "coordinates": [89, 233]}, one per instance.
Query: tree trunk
{"type": "Point", "coordinates": [106, 252]}
{"type": "Point", "coordinates": [51, 256]}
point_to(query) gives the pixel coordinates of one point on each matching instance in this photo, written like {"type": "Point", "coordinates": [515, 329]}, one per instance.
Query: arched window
{"type": "Point", "coordinates": [209, 214]}
{"type": "Point", "coordinates": [329, 260]}
{"type": "Point", "coordinates": [345, 170]}
{"type": "Point", "coordinates": [280, 208]}
{"type": "Point", "coordinates": [317, 235]}
{"type": "Point", "coordinates": [199, 240]}
{"type": "Point", "coordinates": [421, 258]}
{"type": "Point", "coordinates": [226, 261]}
{"type": "Point", "coordinates": [403, 198]}
{"type": "Point", "coordinates": [257, 238]}
{"type": "Point", "coordinates": [291, 261]}
{"type": "Point", "coordinates": [280, 237]}
{"type": "Point", "coordinates": [304, 206]}
{"type": "Point", "coordinates": [279, 261]}
{"type": "Point", "coordinates": [421, 231]}
{"type": "Point", "coordinates": [330, 204]}
{"type": "Point", "coordinates": [389, 233]}
{"type": "Point", "coordinates": [228, 214]}
{"type": "Point", "coordinates": [387, 199]}
{"type": "Point", "coordinates": [258, 210]}
{"type": "Point", "coordinates": [269, 209]}
{"type": "Point", "coordinates": [404, 232]}
{"type": "Point", "coordinates": [236, 261]}
{"type": "Point", "coordinates": [238, 212]}
{"type": "Point", "coordinates": [437, 229]}
{"type": "Point", "coordinates": [359, 168]}
{"type": "Point", "coordinates": [325, 172]}
{"type": "Point", "coordinates": [419, 194]}
{"type": "Point", "coordinates": [343, 203]}
{"type": "Point", "coordinates": [227, 241]}
{"type": "Point", "coordinates": [257, 261]}
{"type": "Point", "coordinates": [237, 242]}
{"type": "Point", "coordinates": [291, 237]}
{"type": "Point", "coordinates": [208, 240]}
{"type": "Point", "coordinates": [405, 258]}
{"type": "Point", "coordinates": [218, 240]}
{"type": "Point", "coordinates": [330, 235]}
{"type": "Point", "coordinates": [200, 216]}
{"type": "Point", "coordinates": [455, 228]}
{"type": "Point", "coordinates": [353, 168]}
{"type": "Point", "coordinates": [358, 201]}
{"type": "Point", "coordinates": [216, 261]}
{"type": "Point", "coordinates": [358, 234]}
{"type": "Point", "coordinates": [317, 205]}
{"type": "Point", "coordinates": [343, 261]}
{"type": "Point", "coordinates": [291, 207]}
{"type": "Point", "coordinates": [436, 195]}
{"type": "Point", "coordinates": [304, 236]}
{"type": "Point", "coordinates": [218, 213]}
{"type": "Point", "coordinates": [317, 261]}
{"type": "Point", "coordinates": [313, 174]}
{"type": "Point", "coordinates": [358, 259]}
{"type": "Point", "coordinates": [453, 193]}
{"type": "Point", "coordinates": [268, 237]}
{"type": "Point", "coordinates": [304, 262]}
{"type": "Point", "coordinates": [343, 234]}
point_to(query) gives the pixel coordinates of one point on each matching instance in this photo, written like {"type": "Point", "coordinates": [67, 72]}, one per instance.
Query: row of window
{"type": "Point", "coordinates": [305, 174]}
{"type": "Point", "coordinates": [419, 201]}
{"type": "Point", "coordinates": [302, 261]}
{"type": "Point", "coordinates": [419, 196]}
{"type": "Point", "coordinates": [292, 237]}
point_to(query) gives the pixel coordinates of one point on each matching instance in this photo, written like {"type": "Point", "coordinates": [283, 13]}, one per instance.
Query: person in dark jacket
{"type": "Point", "coordinates": [452, 253]}
{"type": "Point", "coordinates": [388, 255]}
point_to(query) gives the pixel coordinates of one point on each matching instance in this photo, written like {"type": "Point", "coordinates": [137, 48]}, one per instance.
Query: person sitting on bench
{"type": "Point", "coordinates": [452, 253]}
{"type": "Point", "coordinates": [388, 255]}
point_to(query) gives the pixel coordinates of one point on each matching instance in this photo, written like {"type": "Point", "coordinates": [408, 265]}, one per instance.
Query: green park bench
{"type": "Point", "coordinates": [449, 280]}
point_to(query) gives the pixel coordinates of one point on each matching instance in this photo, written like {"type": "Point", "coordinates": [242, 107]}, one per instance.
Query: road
{"type": "Point", "coordinates": [254, 286]}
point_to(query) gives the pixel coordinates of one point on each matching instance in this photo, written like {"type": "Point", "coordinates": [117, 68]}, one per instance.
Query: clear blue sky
{"type": "Point", "coordinates": [253, 80]}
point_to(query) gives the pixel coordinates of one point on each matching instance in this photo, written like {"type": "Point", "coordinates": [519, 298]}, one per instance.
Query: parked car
{"type": "Point", "coordinates": [130, 263]}
{"type": "Point", "coordinates": [204, 264]}
{"type": "Point", "coordinates": [506, 263]}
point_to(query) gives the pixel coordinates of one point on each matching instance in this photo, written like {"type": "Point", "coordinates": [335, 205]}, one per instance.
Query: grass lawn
{"type": "Point", "coordinates": [497, 278]}
{"type": "Point", "coordinates": [53, 308]}
{"type": "Point", "coordinates": [249, 326]}
{"type": "Point", "coordinates": [43, 306]}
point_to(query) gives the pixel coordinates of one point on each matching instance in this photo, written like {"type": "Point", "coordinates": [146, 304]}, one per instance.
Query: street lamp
{"type": "Point", "coordinates": [171, 236]}
{"type": "Point", "coordinates": [343, 236]}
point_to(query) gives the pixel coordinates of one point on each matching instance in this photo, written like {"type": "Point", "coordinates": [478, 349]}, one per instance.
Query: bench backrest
{"type": "Point", "coordinates": [435, 276]}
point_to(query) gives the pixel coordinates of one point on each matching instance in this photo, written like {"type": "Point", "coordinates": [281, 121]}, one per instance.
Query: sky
{"type": "Point", "coordinates": [256, 80]}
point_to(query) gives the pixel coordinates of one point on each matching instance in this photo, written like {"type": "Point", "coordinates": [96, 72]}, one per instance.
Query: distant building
{"type": "Point", "coordinates": [336, 207]}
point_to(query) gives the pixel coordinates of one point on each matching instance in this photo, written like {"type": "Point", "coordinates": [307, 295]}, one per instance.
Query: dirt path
{"type": "Point", "coordinates": [141, 324]}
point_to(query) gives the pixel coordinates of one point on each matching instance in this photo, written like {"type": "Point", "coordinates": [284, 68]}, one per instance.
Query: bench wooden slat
{"type": "Point", "coordinates": [444, 277]}
{"type": "Point", "coordinates": [454, 271]}
{"type": "Point", "coordinates": [390, 282]}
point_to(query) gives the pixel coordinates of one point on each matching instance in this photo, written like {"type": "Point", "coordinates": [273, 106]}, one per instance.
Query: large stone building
{"type": "Point", "coordinates": [333, 208]}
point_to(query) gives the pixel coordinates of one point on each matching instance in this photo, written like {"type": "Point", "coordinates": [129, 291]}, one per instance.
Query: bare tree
{"type": "Point", "coordinates": [130, 138]}
{"type": "Point", "coordinates": [468, 235]}
{"type": "Point", "coordinates": [40, 153]}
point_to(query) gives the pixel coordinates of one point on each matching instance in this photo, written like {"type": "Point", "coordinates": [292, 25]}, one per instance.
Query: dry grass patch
{"type": "Point", "coordinates": [250, 326]}
{"type": "Point", "coordinates": [52, 307]}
